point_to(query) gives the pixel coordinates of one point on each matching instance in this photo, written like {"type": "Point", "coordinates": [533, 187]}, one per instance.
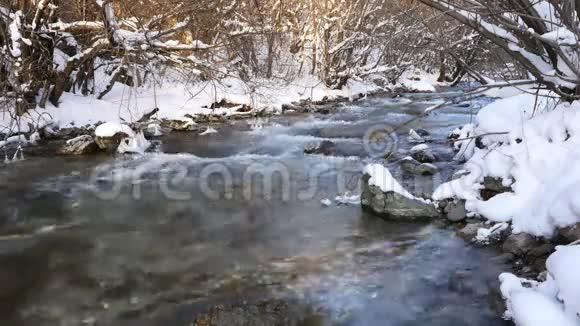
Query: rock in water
{"type": "Point", "coordinates": [108, 135]}
{"type": "Point", "coordinates": [180, 124]}
{"type": "Point", "coordinates": [570, 233]}
{"type": "Point", "coordinates": [410, 165]}
{"type": "Point", "coordinates": [519, 244]}
{"type": "Point", "coordinates": [392, 205]}
{"type": "Point", "coordinates": [493, 187]}
{"type": "Point", "coordinates": [325, 147]}
{"type": "Point", "coordinates": [82, 145]}
{"type": "Point", "coordinates": [470, 230]}
{"type": "Point", "coordinates": [455, 211]}
{"type": "Point", "coordinates": [423, 154]}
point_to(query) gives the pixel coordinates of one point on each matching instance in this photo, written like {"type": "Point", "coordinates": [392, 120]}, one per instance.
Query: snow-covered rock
{"type": "Point", "coordinates": [111, 137]}
{"type": "Point", "coordinates": [209, 131]}
{"type": "Point", "coordinates": [423, 154]}
{"type": "Point", "coordinates": [82, 145]}
{"type": "Point", "coordinates": [135, 144]}
{"type": "Point", "coordinates": [108, 135]}
{"type": "Point", "coordinates": [419, 136]}
{"type": "Point", "coordinates": [384, 196]}
{"type": "Point", "coordinates": [412, 166]}
{"type": "Point", "coordinates": [326, 202]}
{"type": "Point", "coordinates": [417, 86]}
{"type": "Point", "coordinates": [153, 130]}
{"type": "Point", "coordinates": [325, 147]}
{"type": "Point", "coordinates": [531, 146]}
{"type": "Point", "coordinates": [180, 124]}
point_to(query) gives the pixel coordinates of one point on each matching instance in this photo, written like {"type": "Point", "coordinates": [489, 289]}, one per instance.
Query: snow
{"type": "Point", "coordinates": [13, 140]}
{"type": "Point", "coordinates": [176, 100]}
{"type": "Point", "coordinates": [414, 136]}
{"type": "Point", "coordinates": [419, 148]}
{"type": "Point", "coordinates": [15, 35]}
{"type": "Point", "coordinates": [553, 302]}
{"type": "Point", "coordinates": [326, 202]}
{"type": "Point", "coordinates": [564, 268]}
{"type": "Point", "coordinates": [531, 144]}
{"type": "Point", "coordinates": [484, 236]}
{"type": "Point", "coordinates": [508, 89]}
{"type": "Point", "coordinates": [418, 86]}
{"type": "Point", "coordinates": [133, 143]}
{"type": "Point", "coordinates": [208, 131]}
{"type": "Point", "coordinates": [381, 177]}
{"type": "Point", "coordinates": [347, 199]}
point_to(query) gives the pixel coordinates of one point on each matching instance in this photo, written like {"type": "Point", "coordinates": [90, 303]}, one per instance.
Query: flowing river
{"type": "Point", "coordinates": [236, 219]}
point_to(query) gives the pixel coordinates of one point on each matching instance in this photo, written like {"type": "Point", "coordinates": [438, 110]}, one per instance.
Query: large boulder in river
{"type": "Point", "coordinates": [108, 135]}
{"type": "Point", "coordinates": [455, 211]}
{"type": "Point", "coordinates": [82, 145]}
{"type": "Point", "coordinates": [383, 196]}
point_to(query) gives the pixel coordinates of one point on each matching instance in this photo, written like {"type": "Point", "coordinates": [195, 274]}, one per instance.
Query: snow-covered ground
{"type": "Point", "coordinates": [533, 145]}
{"type": "Point", "coordinates": [176, 99]}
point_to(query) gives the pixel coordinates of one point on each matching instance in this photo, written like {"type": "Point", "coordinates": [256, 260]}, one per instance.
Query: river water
{"type": "Point", "coordinates": [235, 218]}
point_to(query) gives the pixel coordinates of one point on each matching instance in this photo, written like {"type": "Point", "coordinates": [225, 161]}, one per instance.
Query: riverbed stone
{"type": "Point", "coordinates": [82, 145]}
{"type": "Point", "coordinates": [520, 244]}
{"type": "Point", "coordinates": [543, 250]}
{"type": "Point", "coordinates": [110, 144]}
{"type": "Point", "coordinates": [326, 147]}
{"type": "Point", "coordinates": [393, 206]}
{"type": "Point", "coordinates": [469, 231]}
{"type": "Point", "coordinates": [424, 156]}
{"type": "Point", "coordinates": [455, 211]}
{"type": "Point", "coordinates": [273, 312]}
{"type": "Point", "coordinates": [570, 233]}
{"type": "Point", "coordinates": [181, 124]}
{"type": "Point", "coordinates": [493, 187]}
{"type": "Point", "coordinates": [412, 166]}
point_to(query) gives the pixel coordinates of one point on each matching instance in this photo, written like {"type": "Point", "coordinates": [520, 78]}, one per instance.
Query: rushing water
{"type": "Point", "coordinates": [156, 239]}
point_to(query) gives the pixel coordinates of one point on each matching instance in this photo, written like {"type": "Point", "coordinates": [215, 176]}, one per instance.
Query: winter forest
{"type": "Point", "coordinates": [289, 162]}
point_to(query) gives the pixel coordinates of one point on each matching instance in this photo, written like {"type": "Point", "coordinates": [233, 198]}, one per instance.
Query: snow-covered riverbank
{"type": "Point", "coordinates": [517, 189]}
{"type": "Point", "coordinates": [530, 144]}
{"type": "Point", "coordinates": [177, 99]}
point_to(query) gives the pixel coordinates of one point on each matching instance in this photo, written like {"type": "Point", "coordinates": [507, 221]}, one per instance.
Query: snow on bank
{"type": "Point", "coordinates": [505, 89]}
{"type": "Point", "coordinates": [553, 302]}
{"type": "Point", "coordinates": [110, 129]}
{"type": "Point", "coordinates": [175, 100]}
{"type": "Point", "coordinates": [533, 146]}
{"type": "Point", "coordinates": [418, 86]}
{"type": "Point", "coordinates": [133, 143]}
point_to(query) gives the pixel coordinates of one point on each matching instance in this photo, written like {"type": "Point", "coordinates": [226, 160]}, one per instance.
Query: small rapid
{"type": "Point", "coordinates": [235, 218]}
